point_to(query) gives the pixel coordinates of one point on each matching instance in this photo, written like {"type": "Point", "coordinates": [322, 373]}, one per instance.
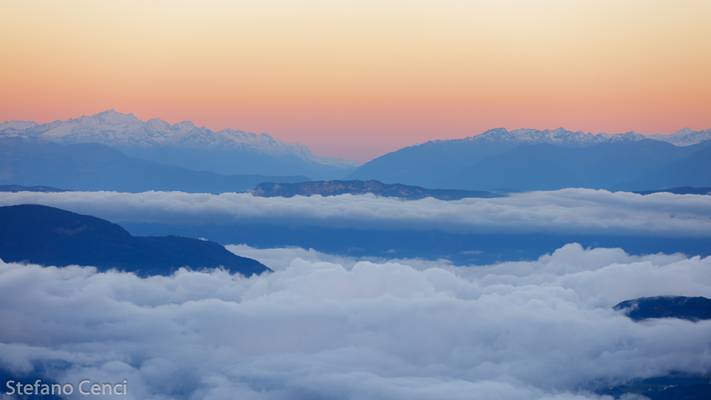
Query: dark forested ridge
{"type": "Point", "coordinates": [51, 236]}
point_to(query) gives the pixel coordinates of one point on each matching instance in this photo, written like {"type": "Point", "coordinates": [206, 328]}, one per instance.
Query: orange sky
{"type": "Point", "coordinates": [356, 78]}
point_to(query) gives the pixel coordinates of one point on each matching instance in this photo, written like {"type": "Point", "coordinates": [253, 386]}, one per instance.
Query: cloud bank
{"type": "Point", "coordinates": [562, 211]}
{"type": "Point", "coordinates": [319, 330]}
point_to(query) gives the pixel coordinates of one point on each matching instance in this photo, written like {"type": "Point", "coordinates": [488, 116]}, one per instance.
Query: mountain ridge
{"type": "Point", "coordinates": [682, 137]}
{"type": "Point", "coordinates": [52, 236]}
{"type": "Point", "coordinates": [89, 166]}
{"type": "Point", "coordinates": [437, 164]}
{"type": "Point", "coordinates": [500, 161]}
{"type": "Point", "coordinates": [354, 187]}
{"type": "Point", "coordinates": [184, 144]}
{"type": "Point", "coordinates": [682, 307]}
{"type": "Point", "coordinates": [134, 131]}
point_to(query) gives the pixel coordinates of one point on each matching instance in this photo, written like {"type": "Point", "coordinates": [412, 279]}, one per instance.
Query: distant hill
{"type": "Point", "coordinates": [691, 308]}
{"type": "Point", "coordinates": [28, 162]}
{"type": "Point", "coordinates": [225, 152]}
{"type": "Point", "coordinates": [20, 188]}
{"type": "Point", "coordinates": [334, 188]}
{"type": "Point", "coordinates": [51, 236]}
{"type": "Point", "coordinates": [521, 160]}
{"type": "Point", "coordinates": [673, 386]}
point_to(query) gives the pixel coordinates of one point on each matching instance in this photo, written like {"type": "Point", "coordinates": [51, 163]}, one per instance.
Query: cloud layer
{"type": "Point", "coordinates": [562, 211]}
{"type": "Point", "coordinates": [318, 330]}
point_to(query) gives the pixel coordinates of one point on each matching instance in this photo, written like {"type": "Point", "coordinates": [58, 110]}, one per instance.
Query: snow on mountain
{"type": "Point", "coordinates": [554, 136]}
{"type": "Point", "coordinates": [121, 130]}
{"type": "Point", "coordinates": [685, 137]}
{"type": "Point", "coordinates": [12, 128]}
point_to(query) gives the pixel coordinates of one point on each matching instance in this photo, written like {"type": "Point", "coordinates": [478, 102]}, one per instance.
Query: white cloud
{"type": "Point", "coordinates": [282, 257]}
{"type": "Point", "coordinates": [316, 329]}
{"type": "Point", "coordinates": [562, 211]}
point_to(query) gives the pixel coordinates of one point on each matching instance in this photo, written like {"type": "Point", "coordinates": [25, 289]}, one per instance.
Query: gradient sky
{"type": "Point", "coordinates": [356, 78]}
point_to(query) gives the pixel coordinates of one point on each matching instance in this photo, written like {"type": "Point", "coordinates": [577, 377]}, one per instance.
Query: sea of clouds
{"type": "Point", "coordinates": [329, 327]}
{"type": "Point", "coordinates": [580, 211]}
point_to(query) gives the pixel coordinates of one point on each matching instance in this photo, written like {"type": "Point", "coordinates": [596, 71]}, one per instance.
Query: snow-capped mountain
{"type": "Point", "coordinates": [530, 159]}
{"type": "Point", "coordinates": [184, 144]}
{"type": "Point", "coordinates": [555, 136]}
{"type": "Point", "coordinates": [682, 137]}
{"type": "Point", "coordinates": [113, 128]}
{"type": "Point", "coordinates": [685, 137]}
{"type": "Point", "coordinates": [12, 128]}
{"type": "Point", "coordinates": [231, 151]}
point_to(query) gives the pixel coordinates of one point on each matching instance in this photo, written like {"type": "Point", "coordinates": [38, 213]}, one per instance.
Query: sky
{"type": "Point", "coordinates": [354, 79]}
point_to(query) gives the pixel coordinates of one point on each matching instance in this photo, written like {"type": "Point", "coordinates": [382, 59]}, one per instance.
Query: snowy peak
{"type": "Point", "coordinates": [556, 136]}
{"type": "Point", "coordinates": [685, 137]}
{"type": "Point", "coordinates": [18, 126]}
{"type": "Point", "coordinates": [494, 135]}
{"type": "Point", "coordinates": [109, 117]}
{"type": "Point", "coordinates": [122, 130]}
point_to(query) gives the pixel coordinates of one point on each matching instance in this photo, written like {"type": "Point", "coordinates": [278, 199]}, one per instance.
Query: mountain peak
{"type": "Point", "coordinates": [185, 125]}
{"type": "Point", "coordinates": [113, 128]}
{"type": "Point", "coordinates": [111, 116]}
{"type": "Point", "coordinates": [17, 125]}
{"type": "Point", "coordinates": [558, 136]}
{"type": "Point", "coordinates": [493, 134]}
{"type": "Point", "coordinates": [226, 151]}
{"type": "Point", "coordinates": [686, 137]}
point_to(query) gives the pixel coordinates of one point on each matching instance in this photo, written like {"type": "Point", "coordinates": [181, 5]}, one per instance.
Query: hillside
{"type": "Point", "coordinates": [183, 144]}
{"type": "Point", "coordinates": [29, 162]}
{"type": "Point", "coordinates": [499, 160]}
{"type": "Point", "coordinates": [51, 236]}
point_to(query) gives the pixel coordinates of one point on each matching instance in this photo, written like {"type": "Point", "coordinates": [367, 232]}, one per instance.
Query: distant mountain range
{"type": "Point", "coordinates": [51, 236]}
{"type": "Point", "coordinates": [184, 156]}
{"type": "Point", "coordinates": [334, 188]}
{"type": "Point", "coordinates": [526, 159]}
{"type": "Point", "coordinates": [29, 162]}
{"type": "Point", "coordinates": [20, 188]}
{"type": "Point", "coordinates": [226, 152]}
{"type": "Point", "coordinates": [685, 137]}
